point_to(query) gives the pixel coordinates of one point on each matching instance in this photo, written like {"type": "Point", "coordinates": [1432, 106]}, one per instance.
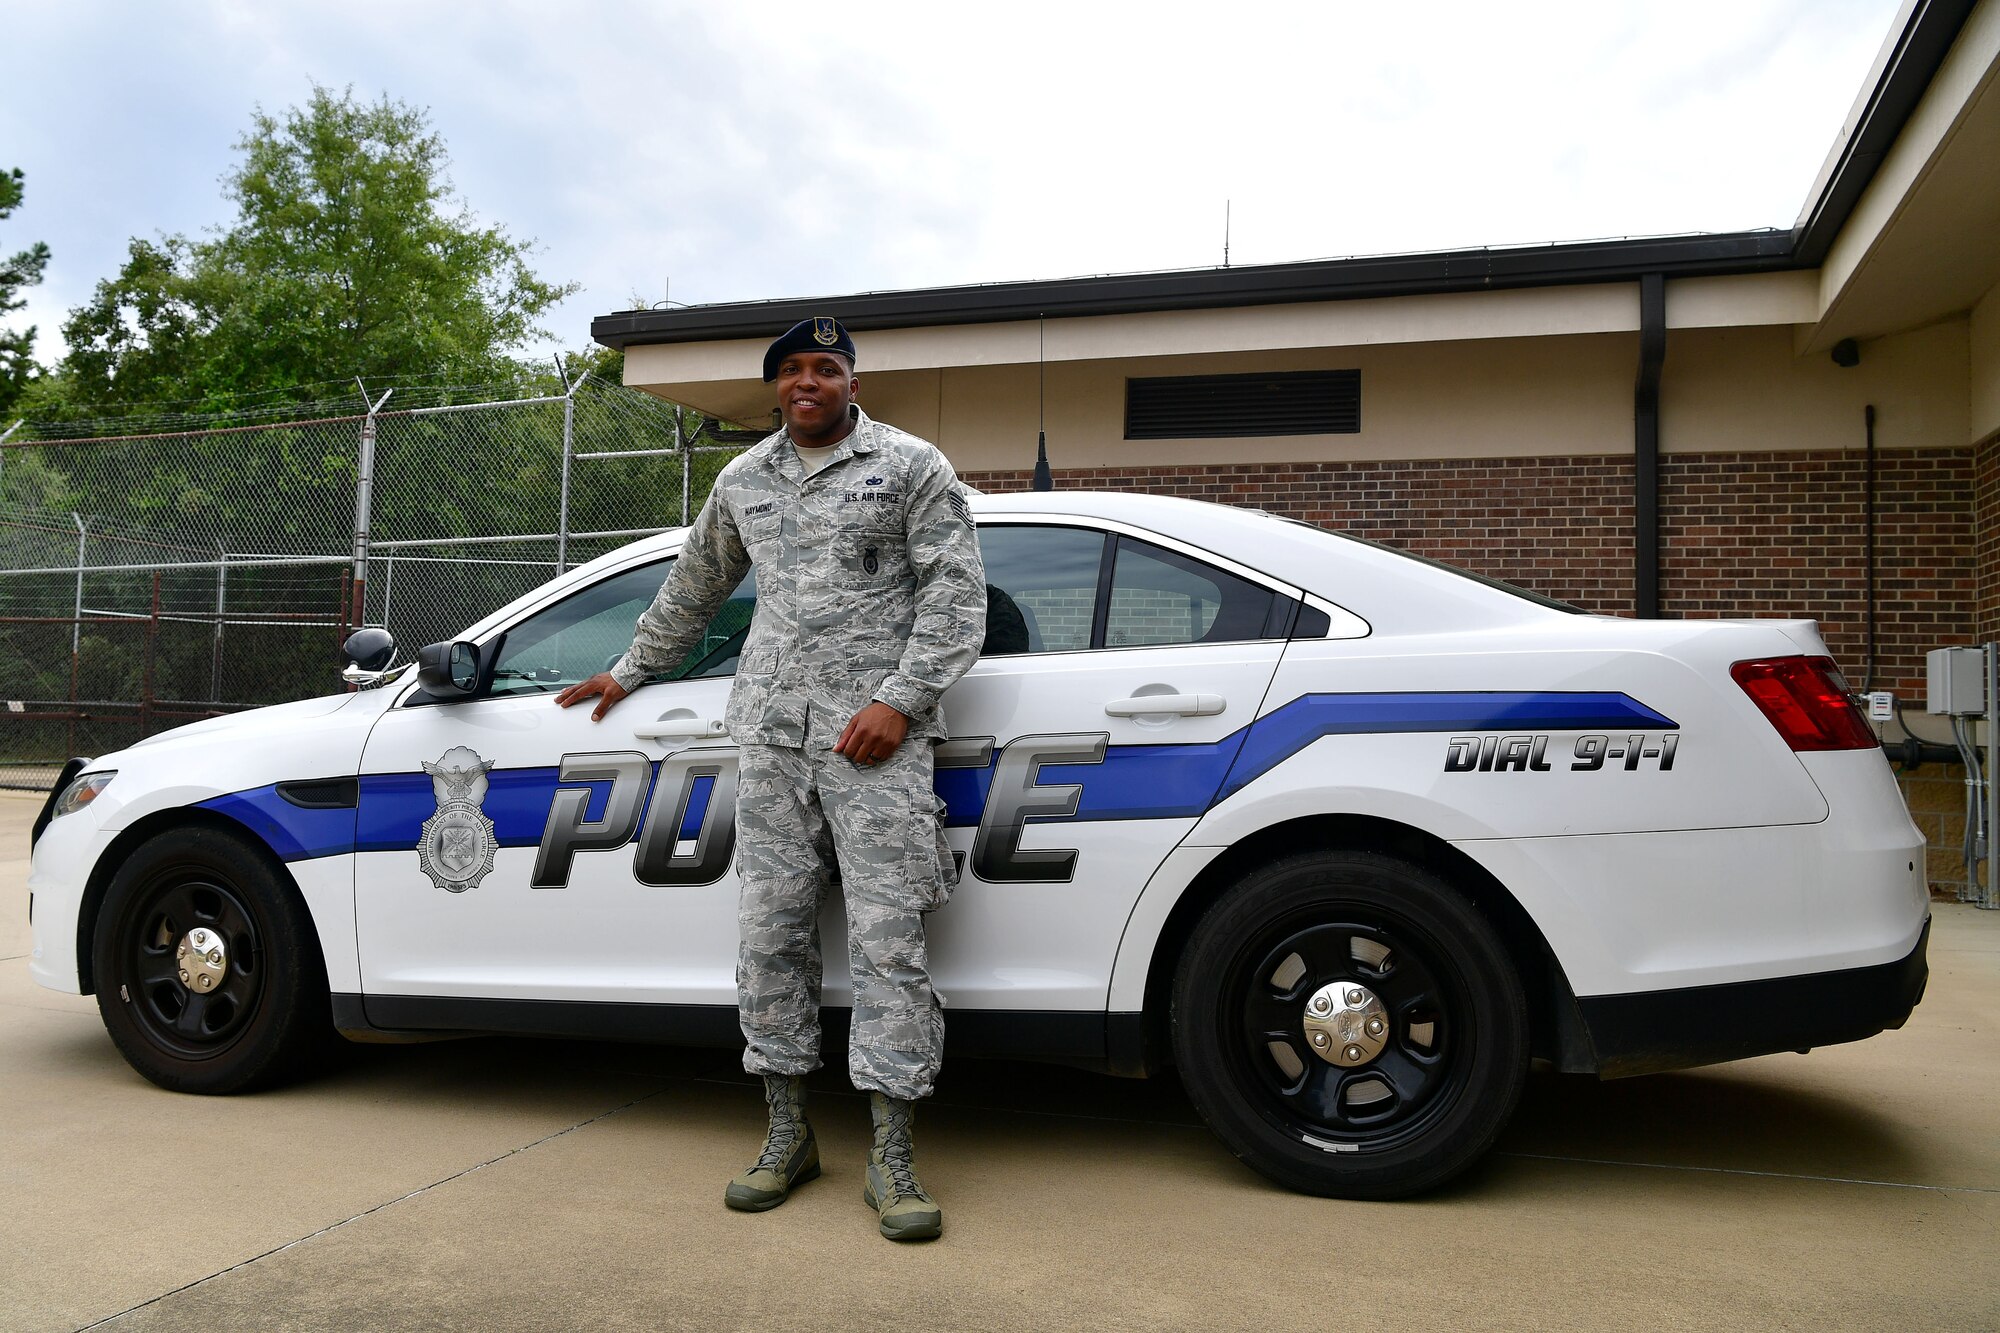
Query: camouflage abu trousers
{"type": "Point", "coordinates": [882, 826]}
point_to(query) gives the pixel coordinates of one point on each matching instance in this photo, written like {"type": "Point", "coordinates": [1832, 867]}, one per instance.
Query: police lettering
{"type": "Point", "coordinates": [568, 832]}
{"type": "Point", "coordinates": [1017, 795]}
{"type": "Point", "coordinates": [689, 833]}
{"type": "Point", "coordinates": [683, 778]}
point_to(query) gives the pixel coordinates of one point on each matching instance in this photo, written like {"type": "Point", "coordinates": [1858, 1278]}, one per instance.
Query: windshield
{"type": "Point", "coordinates": [590, 630]}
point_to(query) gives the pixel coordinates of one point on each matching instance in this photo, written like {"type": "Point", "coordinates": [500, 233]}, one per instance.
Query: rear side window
{"type": "Point", "coordinates": [1162, 597]}
{"type": "Point", "coordinates": [1049, 590]}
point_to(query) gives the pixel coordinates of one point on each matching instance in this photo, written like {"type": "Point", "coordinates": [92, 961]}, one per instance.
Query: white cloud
{"type": "Point", "coordinates": [752, 151]}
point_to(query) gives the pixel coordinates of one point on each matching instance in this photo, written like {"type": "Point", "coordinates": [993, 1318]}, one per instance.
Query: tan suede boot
{"type": "Point", "coordinates": [904, 1211]}
{"type": "Point", "coordinates": [790, 1156]}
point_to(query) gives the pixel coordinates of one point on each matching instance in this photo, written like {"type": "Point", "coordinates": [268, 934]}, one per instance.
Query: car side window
{"type": "Point", "coordinates": [1162, 597]}
{"type": "Point", "coordinates": [589, 631]}
{"type": "Point", "coordinates": [1041, 588]}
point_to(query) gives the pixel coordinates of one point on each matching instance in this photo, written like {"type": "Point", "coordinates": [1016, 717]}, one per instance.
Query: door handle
{"type": "Point", "coordinates": [1185, 705]}
{"type": "Point", "coordinates": [679, 725]}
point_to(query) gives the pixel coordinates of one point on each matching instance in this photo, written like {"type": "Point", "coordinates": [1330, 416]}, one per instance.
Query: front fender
{"type": "Point", "coordinates": [170, 778]}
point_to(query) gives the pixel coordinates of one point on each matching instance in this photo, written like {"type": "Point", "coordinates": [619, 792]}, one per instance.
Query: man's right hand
{"type": "Point", "coordinates": [603, 683]}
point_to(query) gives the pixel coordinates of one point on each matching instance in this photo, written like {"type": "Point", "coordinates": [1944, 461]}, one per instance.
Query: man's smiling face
{"type": "Point", "coordinates": [814, 390]}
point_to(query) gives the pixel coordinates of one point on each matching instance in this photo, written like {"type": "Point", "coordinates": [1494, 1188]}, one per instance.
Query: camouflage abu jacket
{"type": "Point", "coordinates": [869, 584]}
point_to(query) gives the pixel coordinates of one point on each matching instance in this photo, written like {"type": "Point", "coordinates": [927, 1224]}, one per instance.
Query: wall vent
{"type": "Point", "coordinates": [1300, 402]}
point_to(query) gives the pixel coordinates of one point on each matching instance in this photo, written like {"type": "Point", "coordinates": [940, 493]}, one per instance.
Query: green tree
{"type": "Point", "coordinates": [350, 254]}
{"type": "Point", "coordinates": [21, 270]}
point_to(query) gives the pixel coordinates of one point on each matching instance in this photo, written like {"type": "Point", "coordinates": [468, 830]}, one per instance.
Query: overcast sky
{"type": "Point", "coordinates": [764, 150]}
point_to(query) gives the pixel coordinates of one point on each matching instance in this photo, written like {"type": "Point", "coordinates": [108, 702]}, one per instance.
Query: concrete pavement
{"type": "Point", "coordinates": [516, 1184]}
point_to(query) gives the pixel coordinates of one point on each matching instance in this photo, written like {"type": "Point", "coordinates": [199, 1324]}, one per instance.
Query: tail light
{"type": "Point", "coordinates": [1806, 699]}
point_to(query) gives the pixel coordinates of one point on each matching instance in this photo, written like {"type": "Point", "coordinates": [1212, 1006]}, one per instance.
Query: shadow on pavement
{"type": "Point", "coordinates": [1732, 1118]}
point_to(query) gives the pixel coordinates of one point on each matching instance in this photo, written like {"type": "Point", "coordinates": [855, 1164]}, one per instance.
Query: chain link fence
{"type": "Point", "coordinates": [206, 565]}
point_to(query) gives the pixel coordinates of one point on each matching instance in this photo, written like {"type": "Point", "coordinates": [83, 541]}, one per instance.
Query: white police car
{"type": "Point", "coordinates": [1346, 836]}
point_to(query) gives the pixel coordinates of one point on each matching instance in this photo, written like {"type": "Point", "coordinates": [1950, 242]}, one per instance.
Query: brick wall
{"type": "Point", "coordinates": [1935, 794]}
{"type": "Point", "coordinates": [1986, 523]}
{"type": "Point", "coordinates": [1561, 527]}
{"type": "Point", "coordinates": [1741, 534]}
{"type": "Point", "coordinates": [1764, 534]}
{"type": "Point", "coordinates": [1062, 617]}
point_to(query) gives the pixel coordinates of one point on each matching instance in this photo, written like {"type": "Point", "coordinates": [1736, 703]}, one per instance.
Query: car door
{"type": "Point", "coordinates": [1119, 672]}
{"type": "Point", "coordinates": [512, 849]}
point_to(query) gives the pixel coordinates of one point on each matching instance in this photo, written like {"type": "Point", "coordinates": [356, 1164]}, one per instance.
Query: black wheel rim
{"type": "Point", "coordinates": [182, 1021]}
{"type": "Point", "coordinates": [1372, 1107]}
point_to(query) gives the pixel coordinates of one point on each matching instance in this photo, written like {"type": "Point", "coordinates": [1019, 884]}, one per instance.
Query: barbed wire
{"type": "Point", "coordinates": [148, 420]}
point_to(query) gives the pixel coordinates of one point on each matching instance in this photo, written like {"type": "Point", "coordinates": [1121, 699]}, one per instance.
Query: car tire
{"type": "Point", "coordinates": [210, 904]}
{"type": "Point", "coordinates": [1420, 1014]}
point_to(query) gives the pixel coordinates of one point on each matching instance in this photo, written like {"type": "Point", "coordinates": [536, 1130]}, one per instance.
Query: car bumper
{"type": "Point", "coordinates": [1648, 1032]}
{"type": "Point", "coordinates": [58, 870]}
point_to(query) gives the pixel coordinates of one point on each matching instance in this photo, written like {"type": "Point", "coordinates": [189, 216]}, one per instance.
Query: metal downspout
{"type": "Point", "coordinates": [1646, 447]}
{"type": "Point", "coordinates": [1868, 539]}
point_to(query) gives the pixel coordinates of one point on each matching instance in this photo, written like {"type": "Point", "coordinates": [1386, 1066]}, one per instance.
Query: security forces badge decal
{"type": "Point", "coordinates": [457, 845]}
{"type": "Point", "coordinates": [825, 332]}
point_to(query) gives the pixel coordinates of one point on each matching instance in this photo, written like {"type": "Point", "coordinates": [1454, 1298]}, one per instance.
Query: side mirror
{"type": "Point", "coordinates": [449, 670]}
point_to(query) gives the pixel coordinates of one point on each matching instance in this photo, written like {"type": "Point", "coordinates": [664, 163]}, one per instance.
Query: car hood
{"type": "Point", "coordinates": [313, 738]}
{"type": "Point", "coordinates": [255, 719]}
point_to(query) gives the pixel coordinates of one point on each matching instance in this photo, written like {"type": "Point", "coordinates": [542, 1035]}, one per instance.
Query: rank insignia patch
{"type": "Point", "coordinates": [455, 850]}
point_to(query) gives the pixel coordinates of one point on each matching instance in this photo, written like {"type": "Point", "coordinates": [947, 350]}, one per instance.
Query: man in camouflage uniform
{"type": "Point", "coordinates": [871, 601]}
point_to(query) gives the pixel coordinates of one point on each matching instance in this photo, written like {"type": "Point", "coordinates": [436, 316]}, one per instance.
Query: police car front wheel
{"type": "Point", "coordinates": [206, 970]}
{"type": "Point", "coordinates": [1350, 1025]}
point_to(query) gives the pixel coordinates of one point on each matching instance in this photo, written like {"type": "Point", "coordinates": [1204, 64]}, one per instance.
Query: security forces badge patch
{"type": "Point", "coordinates": [457, 845]}
{"type": "Point", "coordinates": [825, 332]}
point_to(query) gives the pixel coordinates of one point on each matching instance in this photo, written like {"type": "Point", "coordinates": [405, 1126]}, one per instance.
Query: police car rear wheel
{"type": "Point", "coordinates": [1350, 1025]}
{"type": "Point", "coordinates": [206, 974]}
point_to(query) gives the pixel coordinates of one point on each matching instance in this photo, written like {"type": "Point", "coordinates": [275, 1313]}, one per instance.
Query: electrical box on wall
{"type": "Point", "coordinates": [1955, 681]}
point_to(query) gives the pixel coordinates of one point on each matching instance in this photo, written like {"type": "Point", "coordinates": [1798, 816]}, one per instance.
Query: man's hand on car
{"type": "Point", "coordinates": [603, 683]}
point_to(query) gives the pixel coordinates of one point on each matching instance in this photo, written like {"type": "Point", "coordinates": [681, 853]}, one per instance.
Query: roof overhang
{"type": "Point", "coordinates": [1493, 269]}
{"type": "Point", "coordinates": [1917, 243]}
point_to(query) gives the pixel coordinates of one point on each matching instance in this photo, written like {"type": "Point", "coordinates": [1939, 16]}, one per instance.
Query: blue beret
{"type": "Point", "coordinates": [819, 334]}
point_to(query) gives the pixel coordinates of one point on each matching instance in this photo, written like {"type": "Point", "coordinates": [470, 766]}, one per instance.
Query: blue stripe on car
{"type": "Point", "coordinates": [293, 833]}
{"type": "Point", "coordinates": [697, 810]}
{"type": "Point", "coordinates": [1133, 781]}
{"type": "Point", "coordinates": [1283, 732]}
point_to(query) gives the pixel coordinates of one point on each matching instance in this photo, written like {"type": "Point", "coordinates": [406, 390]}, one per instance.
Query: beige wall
{"type": "Point", "coordinates": [1501, 398]}
{"type": "Point", "coordinates": [1541, 373]}
{"type": "Point", "coordinates": [721, 378]}
{"type": "Point", "coordinates": [1722, 390]}
{"type": "Point", "coordinates": [1983, 368]}
{"type": "Point", "coordinates": [1730, 390]}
